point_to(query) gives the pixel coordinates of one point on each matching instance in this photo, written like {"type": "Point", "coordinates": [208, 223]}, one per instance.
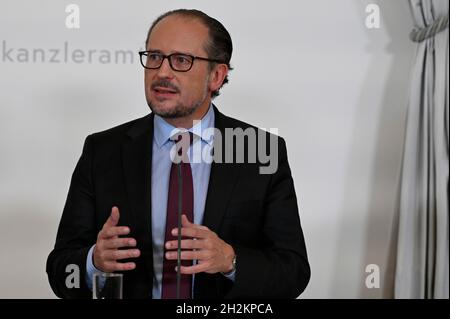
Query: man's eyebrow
{"type": "Point", "coordinates": [173, 52]}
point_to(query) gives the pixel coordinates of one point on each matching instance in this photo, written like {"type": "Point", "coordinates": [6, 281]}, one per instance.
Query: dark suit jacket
{"type": "Point", "coordinates": [255, 213]}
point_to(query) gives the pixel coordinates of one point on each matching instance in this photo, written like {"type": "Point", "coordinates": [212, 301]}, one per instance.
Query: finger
{"type": "Point", "coordinates": [188, 255]}
{"type": "Point", "coordinates": [186, 244]}
{"type": "Point", "coordinates": [114, 231]}
{"type": "Point", "coordinates": [195, 269]}
{"type": "Point", "coordinates": [115, 266]}
{"type": "Point", "coordinates": [192, 232]}
{"type": "Point", "coordinates": [113, 219]}
{"type": "Point", "coordinates": [113, 255]}
{"type": "Point", "coordinates": [185, 222]}
{"type": "Point", "coordinates": [112, 243]}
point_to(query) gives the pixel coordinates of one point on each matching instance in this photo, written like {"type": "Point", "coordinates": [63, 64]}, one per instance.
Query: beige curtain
{"type": "Point", "coordinates": [422, 268]}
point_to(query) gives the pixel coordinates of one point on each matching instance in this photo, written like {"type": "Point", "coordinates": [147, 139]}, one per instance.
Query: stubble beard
{"type": "Point", "coordinates": [180, 110]}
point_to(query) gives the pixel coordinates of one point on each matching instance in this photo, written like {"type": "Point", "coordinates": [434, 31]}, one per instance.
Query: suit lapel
{"type": "Point", "coordinates": [221, 183]}
{"type": "Point", "coordinates": [137, 161]}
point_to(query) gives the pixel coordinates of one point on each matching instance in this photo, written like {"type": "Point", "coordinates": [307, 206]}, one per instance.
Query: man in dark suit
{"type": "Point", "coordinates": [241, 235]}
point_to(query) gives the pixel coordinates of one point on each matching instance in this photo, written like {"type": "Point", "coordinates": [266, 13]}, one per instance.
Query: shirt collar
{"type": "Point", "coordinates": [163, 130]}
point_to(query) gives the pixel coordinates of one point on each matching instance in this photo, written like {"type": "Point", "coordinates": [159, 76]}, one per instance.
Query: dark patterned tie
{"type": "Point", "coordinates": [169, 279]}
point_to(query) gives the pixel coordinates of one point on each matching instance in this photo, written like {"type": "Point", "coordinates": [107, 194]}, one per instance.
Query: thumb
{"type": "Point", "coordinates": [185, 221]}
{"type": "Point", "coordinates": [113, 219]}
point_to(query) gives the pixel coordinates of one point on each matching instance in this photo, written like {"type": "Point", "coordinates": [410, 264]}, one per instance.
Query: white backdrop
{"type": "Point", "coordinates": [335, 89]}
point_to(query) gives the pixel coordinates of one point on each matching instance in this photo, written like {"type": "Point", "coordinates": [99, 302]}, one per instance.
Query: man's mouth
{"type": "Point", "coordinates": [159, 90]}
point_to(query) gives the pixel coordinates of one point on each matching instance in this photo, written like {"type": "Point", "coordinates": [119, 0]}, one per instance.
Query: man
{"type": "Point", "coordinates": [241, 235]}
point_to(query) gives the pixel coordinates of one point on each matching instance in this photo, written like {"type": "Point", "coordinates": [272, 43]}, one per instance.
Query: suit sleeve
{"type": "Point", "coordinates": [76, 233]}
{"type": "Point", "coordinates": [281, 268]}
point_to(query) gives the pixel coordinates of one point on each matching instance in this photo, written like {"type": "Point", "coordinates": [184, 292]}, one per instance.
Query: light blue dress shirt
{"type": "Point", "coordinates": [161, 164]}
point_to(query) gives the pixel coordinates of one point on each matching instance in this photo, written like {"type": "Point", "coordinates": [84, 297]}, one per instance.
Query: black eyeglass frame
{"type": "Point", "coordinates": [142, 53]}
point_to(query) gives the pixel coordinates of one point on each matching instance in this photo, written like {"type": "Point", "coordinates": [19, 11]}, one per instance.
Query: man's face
{"type": "Point", "coordinates": [174, 94]}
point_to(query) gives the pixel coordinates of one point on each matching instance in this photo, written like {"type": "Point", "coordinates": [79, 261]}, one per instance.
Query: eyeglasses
{"type": "Point", "coordinates": [178, 61]}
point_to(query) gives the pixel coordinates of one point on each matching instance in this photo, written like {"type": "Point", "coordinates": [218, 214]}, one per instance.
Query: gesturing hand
{"type": "Point", "coordinates": [212, 253]}
{"type": "Point", "coordinates": [107, 252]}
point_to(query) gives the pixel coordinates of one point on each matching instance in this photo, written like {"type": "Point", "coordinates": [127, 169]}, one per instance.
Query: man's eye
{"type": "Point", "coordinates": [154, 57]}
{"type": "Point", "coordinates": [182, 59]}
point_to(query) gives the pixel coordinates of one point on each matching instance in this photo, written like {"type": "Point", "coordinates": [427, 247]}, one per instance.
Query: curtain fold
{"type": "Point", "coordinates": [422, 265]}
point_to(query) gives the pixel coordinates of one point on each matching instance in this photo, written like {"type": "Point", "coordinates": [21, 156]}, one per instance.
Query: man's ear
{"type": "Point", "coordinates": [218, 74]}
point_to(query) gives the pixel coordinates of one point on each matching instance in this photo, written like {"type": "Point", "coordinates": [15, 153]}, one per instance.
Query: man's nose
{"type": "Point", "coordinates": [165, 71]}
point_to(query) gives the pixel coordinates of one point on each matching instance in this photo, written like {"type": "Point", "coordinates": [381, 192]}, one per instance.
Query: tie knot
{"type": "Point", "coordinates": [183, 140]}
{"type": "Point", "coordinates": [183, 137]}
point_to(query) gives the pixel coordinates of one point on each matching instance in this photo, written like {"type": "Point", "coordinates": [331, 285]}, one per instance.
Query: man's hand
{"type": "Point", "coordinates": [212, 253]}
{"type": "Point", "coordinates": [106, 251]}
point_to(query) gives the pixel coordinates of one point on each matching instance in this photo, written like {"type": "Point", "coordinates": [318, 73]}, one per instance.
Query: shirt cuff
{"type": "Point", "coordinates": [90, 268]}
{"type": "Point", "coordinates": [230, 275]}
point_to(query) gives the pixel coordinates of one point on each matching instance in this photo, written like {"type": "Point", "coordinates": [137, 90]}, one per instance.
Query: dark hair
{"type": "Point", "coordinates": [218, 47]}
